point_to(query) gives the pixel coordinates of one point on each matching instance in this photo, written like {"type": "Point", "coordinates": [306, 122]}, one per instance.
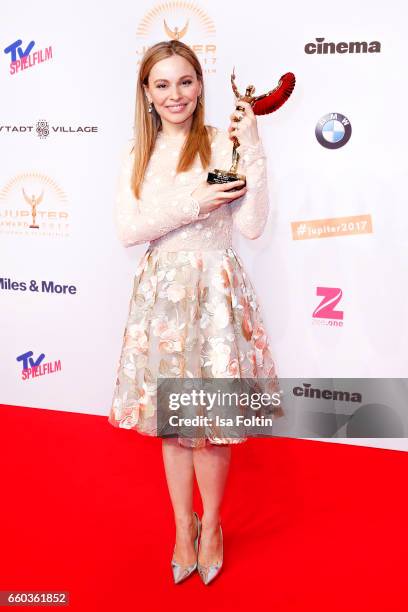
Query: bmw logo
{"type": "Point", "coordinates": [333, 130]}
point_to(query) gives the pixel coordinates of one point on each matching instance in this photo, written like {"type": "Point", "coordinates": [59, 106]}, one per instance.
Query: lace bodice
{"type": "Point", "coordinates": [165, 214]}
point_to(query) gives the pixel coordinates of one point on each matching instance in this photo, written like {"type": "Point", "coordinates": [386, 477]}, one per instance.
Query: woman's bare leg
{"type": "Point", "coordinates": [179, 470]}
{"type": "Point", "coordinates": [211, 464]}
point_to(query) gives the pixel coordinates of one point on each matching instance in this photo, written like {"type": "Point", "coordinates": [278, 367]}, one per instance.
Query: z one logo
{"type": "Point", "coordinates": [325, 310]}
{"type": "Point", "coordinates": [28, 361]}
{"type": "Point", "coordinates": [16, 47]}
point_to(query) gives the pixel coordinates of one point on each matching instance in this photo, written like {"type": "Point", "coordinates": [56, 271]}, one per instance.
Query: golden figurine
{"type": "Point", "coordinates": [33, 202]}
{"type": "Point", "coordinates": [261, 105]}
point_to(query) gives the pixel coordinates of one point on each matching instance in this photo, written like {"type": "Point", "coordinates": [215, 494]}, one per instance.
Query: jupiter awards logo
{"type": "Point", "coordinates": [184, 21]}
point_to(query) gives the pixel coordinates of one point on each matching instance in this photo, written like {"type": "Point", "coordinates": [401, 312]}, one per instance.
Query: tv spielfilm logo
{"type": "Point", "coordinates": [184, 21]}
{"type": "Point", "coordinates": [32, 203]}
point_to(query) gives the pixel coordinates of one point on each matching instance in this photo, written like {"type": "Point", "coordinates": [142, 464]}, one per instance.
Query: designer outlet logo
{"type": "Point", "coordinates": [32, 367]}
{"type": "Point", "coordinates": [178, 20]}
{"type": "Point", "coordinates": [42, 129]}
{"type": "Point", "coordinates": [333, 130]}
{"type": "Point", "coordinates": [325, 313]}
{"type": "Point", "coordinates": [21, 57]}
{"type": "Point", "coordinates": [33, 204]}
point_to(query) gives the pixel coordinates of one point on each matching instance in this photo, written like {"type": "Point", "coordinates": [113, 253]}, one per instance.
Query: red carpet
{"type": "Point", "coordinates": [307, 525]}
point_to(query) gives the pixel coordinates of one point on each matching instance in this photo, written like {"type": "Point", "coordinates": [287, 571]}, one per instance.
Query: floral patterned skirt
{"type": "Point", "coordinates": [192, 314]}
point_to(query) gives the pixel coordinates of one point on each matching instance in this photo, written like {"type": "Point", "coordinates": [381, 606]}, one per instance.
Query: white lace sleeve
{"type": "Point", "coordinates": [250, 212]}
{"type": "Point", "coordinates": [134, 226]}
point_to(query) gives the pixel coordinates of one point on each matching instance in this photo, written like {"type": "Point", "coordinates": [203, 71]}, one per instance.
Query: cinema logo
{"type": "Point", "coordinates": [320, 47]}
{"type": "Point", "coordinates": [34, 367]}
{"type": "Point", "coordinates": [325, 313]}
{"type": "Point", "coordinates": [178, 20]}
{"type": "Point", "coordinates": [21, 59]}
{"type": "Point", "coordinates": [329, 394]}
{"type": "Point", "coordinates": [331, 227]}
{"type": "Point", "coordinates": [42, 129]}
{"type": "Point", "coordinates": [33, 204]}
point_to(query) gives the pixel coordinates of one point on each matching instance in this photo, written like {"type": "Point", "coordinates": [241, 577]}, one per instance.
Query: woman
{"type": "Point", "coordinates": [193, 311]}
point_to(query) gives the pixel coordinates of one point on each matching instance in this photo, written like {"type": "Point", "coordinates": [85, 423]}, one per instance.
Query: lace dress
{"type": "Point", "coordinates": [193, 311]}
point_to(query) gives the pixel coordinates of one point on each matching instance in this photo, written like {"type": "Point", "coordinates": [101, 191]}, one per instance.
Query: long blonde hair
{"type": "Point", "coordinates": [147, 125]}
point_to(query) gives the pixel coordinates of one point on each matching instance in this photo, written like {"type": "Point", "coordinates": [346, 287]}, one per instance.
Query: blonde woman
{"type": "Point", "coordinates": [193, 312]}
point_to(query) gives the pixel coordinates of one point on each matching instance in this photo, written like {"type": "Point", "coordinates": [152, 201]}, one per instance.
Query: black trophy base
{"type": "Point", "coordinates": [224, 176]}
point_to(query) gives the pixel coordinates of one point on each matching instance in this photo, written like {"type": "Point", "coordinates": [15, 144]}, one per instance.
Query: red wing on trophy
{"type": "Point", "coordinates": [261, 105]}
{"type": "Point", "coordinates": [274, 99]}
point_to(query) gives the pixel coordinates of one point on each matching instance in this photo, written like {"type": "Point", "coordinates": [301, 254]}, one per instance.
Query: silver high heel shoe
{"type": "Point", "coordinates": [181, 572]}
{"type": "Point", "coordinates": [207, 574]}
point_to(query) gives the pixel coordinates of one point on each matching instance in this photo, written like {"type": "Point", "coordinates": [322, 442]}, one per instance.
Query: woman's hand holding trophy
{"type": "Point", "coordinates": [223, 186]}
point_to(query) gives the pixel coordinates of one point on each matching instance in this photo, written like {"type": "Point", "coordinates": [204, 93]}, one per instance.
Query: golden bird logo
{"type": "Point", "coordinates": [175, 34]}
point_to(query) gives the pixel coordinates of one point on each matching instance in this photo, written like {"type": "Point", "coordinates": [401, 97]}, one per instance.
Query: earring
{"type": "Point", "coordinates": [150, 107]}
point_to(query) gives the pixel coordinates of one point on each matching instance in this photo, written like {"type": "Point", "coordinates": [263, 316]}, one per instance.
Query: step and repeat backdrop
{"type": "Point", "coordinates": [331, 267]}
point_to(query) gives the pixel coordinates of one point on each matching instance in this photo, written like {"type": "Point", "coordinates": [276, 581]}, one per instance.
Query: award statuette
{"type": "Point", "coordinates": [33, 202]}
{"type": "Point", "coordinates": [261, 105]}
